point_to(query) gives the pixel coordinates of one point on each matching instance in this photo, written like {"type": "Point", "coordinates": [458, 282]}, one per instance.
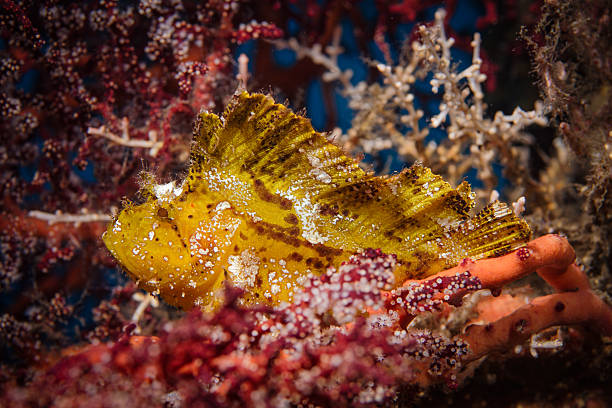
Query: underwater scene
{"type": "Point", "coordinates": [305, 203]}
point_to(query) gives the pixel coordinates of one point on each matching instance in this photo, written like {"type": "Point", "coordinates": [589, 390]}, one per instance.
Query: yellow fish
{"type": "Point", "coordinates": [268, 200]}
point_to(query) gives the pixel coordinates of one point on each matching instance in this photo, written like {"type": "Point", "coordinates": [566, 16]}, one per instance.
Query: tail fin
{"type": "Point", "coordinates": [494, 231]}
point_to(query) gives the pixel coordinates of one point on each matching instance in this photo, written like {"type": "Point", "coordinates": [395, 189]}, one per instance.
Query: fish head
{"type": "Point", "coordinates": [158, 244]}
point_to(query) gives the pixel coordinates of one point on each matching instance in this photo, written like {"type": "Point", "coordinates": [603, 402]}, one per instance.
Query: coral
{"type": "Point", "coordinates": [111, 87]}
{"type": "Point", "coordinates": [552, 258]}
{"type": "Point", "coordinates": [387, 114]}
{"type": "Point", "coordinates": [572, 59]}
{"type": "Point", "coordinates": [94, 93]}
{"type": "Point", "coordinates": [27, 338]}
{"type": "Point", "coordinates": [321, 349]}
{"type": "Point", "coordinates": [90, 91]}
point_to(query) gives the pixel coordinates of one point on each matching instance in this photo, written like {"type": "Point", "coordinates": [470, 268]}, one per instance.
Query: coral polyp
{"type": "Point", "coordinates": [268, 201]}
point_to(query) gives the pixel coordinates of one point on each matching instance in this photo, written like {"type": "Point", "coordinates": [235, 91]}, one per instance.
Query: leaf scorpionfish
{"type": "Point", "coordinates": [268, 201]}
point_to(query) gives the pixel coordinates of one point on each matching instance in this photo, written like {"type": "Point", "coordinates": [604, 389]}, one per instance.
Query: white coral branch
{"type": "Point", "coordinates": [59, 217]}
{"type": "Point", "coordinates": [387, 115]}
{"type": "Point", "coordinates": [125, 140]}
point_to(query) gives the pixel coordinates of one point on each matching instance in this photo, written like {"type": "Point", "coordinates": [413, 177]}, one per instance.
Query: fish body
{"type": "Point", "coordinates": [269, 201]}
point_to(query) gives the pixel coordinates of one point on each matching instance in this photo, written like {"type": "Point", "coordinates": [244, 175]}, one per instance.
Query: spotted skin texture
{"type": "Point", "coordinates": [268, 201]}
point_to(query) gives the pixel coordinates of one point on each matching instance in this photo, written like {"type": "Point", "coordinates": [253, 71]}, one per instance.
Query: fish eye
{"type": "Point", "coordinates": [162, 212]}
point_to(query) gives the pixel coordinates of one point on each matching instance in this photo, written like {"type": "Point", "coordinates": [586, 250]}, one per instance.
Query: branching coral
{"type": "Point", "coordinates": [388, 114]}
{"type": "Point", "coordinates": [89, 91]}
{"type": "Point", "coordinates": [114, 84]}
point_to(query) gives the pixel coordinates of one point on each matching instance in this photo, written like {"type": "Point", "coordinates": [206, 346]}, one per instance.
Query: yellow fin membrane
{"type": "Point", "coordinates": [268, 200]}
